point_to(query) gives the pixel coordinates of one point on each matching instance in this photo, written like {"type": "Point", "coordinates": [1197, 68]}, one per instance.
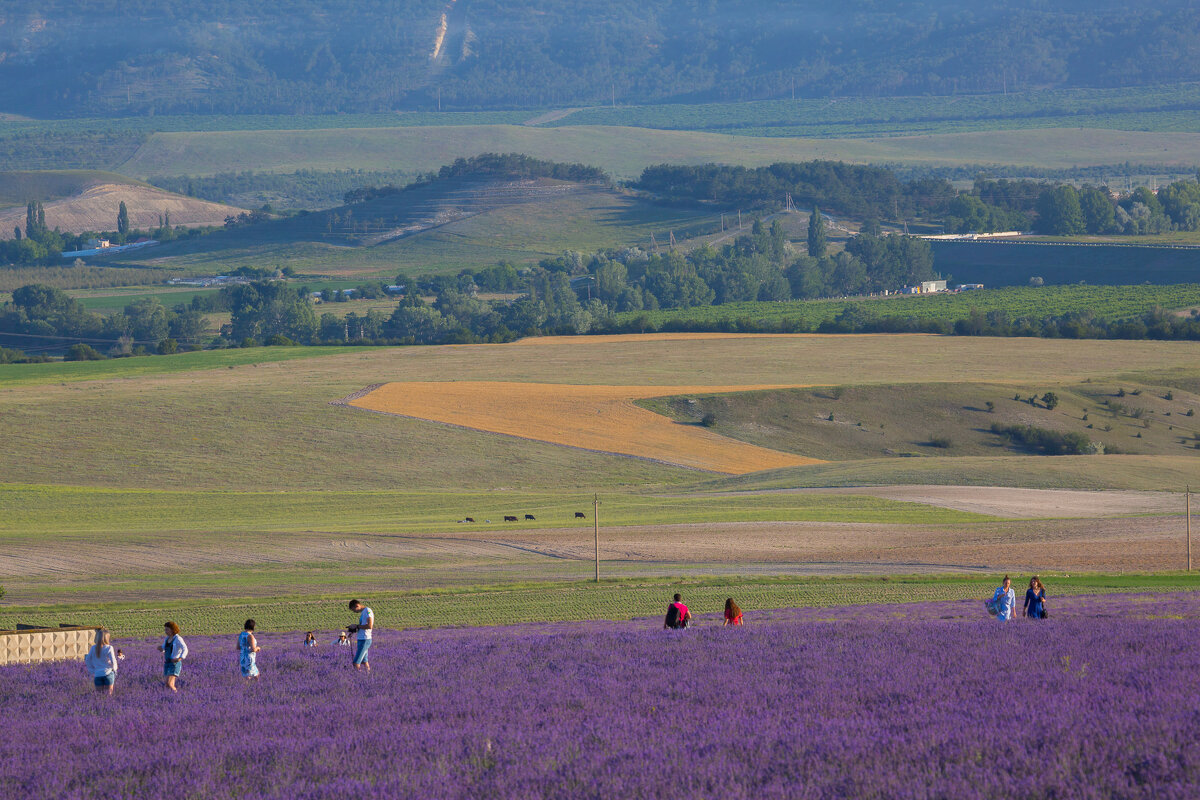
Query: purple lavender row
{"type": "Point", "coordinates": [922, 701]}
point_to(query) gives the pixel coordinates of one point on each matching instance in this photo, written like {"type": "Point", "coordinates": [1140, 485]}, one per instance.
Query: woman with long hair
{"type": "Point", "coordinates": [101, 661]}
{"type": "Point", "coordinates": [1035, 599]}
{"type": "Point", "coordinates": [733, 614]}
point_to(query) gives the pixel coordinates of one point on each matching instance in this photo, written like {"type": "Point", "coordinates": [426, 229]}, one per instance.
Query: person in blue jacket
{"type": "Point", "coordinates": [1035, 599]}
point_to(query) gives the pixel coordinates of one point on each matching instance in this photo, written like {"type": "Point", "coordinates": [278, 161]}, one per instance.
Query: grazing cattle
{"type": "Point", "coordinates": [529, 516]}
{"type": "Point", "coordinates": [580, 515]}
{"type": "Point", "coordinates": [507, 518]}
{"type": "Point", "coordinates": [469, 519]}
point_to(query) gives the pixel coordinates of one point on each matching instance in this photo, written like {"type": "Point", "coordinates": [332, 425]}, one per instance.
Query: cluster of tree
{"type": "Point", "coordinates": [312, 56]}
{"type": "Point", "coordinates": [1048, 442]}
{"type": "Point", "coordinates": [509, 166]}
{"type": "Point", "coordinates": [1066, 211]}
{"type": "Point", "coordinates": [10, 355]}
{"type": "Point", "coordinates": [990, 205]}
{"type": "Point", "coordinates": [51, 317]}
{"type": "Point", "coordinates": [854, 189]}
{"type": "Point", "coordinates": [1061, 209]}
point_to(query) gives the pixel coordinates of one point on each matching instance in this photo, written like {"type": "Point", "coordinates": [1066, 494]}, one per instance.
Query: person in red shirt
{"type": "Point", "coordinates": [733, 614]}
{"type": "Point", "coordinates": [678, 615]}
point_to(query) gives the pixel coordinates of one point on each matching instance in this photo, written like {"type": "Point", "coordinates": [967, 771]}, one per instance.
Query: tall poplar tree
{"type": "Point", "coordinates": [816, 234]}
{"type": "Point", "coordinates": [122, 219]}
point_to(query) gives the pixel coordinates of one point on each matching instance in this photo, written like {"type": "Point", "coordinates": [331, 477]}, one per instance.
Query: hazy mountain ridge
{"type": "Point", "coordinates": [68, 58]}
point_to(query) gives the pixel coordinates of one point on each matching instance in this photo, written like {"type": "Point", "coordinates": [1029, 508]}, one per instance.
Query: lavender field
{"type": "Point", "coordinates": [917, 701]}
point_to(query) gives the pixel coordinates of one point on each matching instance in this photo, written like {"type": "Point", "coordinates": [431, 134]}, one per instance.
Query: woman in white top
{"type": "Point", "coordinates": [101, 661]}
{"type": "Point", "coordinates": [174, 650]}
{"type": "Point", "coordinates": [1005, 600]}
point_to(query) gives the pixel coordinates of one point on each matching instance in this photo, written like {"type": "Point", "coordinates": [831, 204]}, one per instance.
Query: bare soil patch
{"type": "Point", "coordinates": [1017, 503]}
{"type": "Point", "coordinates": [598, 418]}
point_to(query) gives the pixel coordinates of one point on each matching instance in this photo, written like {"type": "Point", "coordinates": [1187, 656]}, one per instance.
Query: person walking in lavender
{"type": "Point", "coordinates": [174, 650]}
{"type": "Point", "coordinates": [101, 661]}
{"type": "Point", "coordinates": [1035, 599]}
{"type": "Point", "coordinates": [1005, 601]}
{"type": "Point", "coordinates": [248, 651]}
{"type": "Point", "coordinates": [363, 631]}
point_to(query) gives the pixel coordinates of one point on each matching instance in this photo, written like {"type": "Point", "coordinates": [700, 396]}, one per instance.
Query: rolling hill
{"type": "Point", "coordinates": [442, 227]}
{"type": "Point", "coordinates": [83, 200]}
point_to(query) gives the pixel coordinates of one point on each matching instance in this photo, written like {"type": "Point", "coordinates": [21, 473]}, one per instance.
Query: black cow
{"type": "Point", "coordinates": [529, 516]}
{"type": "Point", "coordinates": [469, 519]}
{"type": "Point", "coordinates": [580, 515]}
{"type": "Point", "coordinates": [507, 518]}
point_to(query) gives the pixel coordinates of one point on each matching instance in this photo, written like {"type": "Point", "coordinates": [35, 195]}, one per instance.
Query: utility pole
{"type": "Point", "coordinates": [614, 95]}
{"type": "Point", "coordinates": [596, 531]}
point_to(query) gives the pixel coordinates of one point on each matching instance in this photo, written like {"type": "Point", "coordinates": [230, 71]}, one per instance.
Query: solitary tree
{"type": "Point", "coordinates": [816, 234]}
{"type": "Point", "coordinates": [122, 219]}
{"type": "Point", "coordinates": [1050, 399]}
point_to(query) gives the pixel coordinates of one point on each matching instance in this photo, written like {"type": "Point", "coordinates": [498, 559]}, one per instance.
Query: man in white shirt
{"type": "Point", "coordinates": [366, 624]}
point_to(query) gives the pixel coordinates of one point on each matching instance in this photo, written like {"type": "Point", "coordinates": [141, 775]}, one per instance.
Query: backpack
{"type": "Point", "coordinates": [672, 616]}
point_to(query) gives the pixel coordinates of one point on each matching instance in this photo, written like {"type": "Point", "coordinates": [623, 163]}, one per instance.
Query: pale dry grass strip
{"type": "Point", "coordinates": [599, 418]}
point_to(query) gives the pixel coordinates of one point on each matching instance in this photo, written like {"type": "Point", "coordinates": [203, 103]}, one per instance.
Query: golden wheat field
{"type": "Point", "coordinates": [601, 418]}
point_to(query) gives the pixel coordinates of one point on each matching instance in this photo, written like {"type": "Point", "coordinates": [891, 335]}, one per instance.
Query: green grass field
{"type": "Point", "coordinates": [1109, 302]}
{"type": "Point", "coordinates": [624, 152]}
{"type": "Point", "coordinates": [1093, 473]}
{"type": "Point", "coordinates": [154, 487]}
{"type": "Point", "coordinates": [618, 600]}
{"type": "Point", "coordinates": [943, 420]}
{"type": "Point", "coordinates": [40, 511]}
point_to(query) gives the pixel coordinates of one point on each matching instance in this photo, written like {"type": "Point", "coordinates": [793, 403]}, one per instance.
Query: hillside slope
{"type": "Point", "coordinates": [21, 186]}
{"type": "Point", "coordinates": [442, 227]}
{"type": "Point", "coordinates": [94, 207]}
{"type": "Point", "coordinates": [139, 56]}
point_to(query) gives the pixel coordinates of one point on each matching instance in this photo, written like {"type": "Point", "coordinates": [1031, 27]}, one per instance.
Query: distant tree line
{"type": "Point", "coordinates": [48, 318]}
{"type": "Point", "coordinates": [874, 193]}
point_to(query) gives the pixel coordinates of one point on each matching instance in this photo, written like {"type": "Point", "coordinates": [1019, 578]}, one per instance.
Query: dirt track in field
{"type": "Point", "coordinates": [1016, 503]}
{"type": "Point", "coordinates": [601, 419]}
{"type": "Point", "coordinates": [277, 563]}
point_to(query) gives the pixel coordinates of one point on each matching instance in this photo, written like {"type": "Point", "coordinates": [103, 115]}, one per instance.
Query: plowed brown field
{"type": "Point", "coordinates": [600, 418]}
